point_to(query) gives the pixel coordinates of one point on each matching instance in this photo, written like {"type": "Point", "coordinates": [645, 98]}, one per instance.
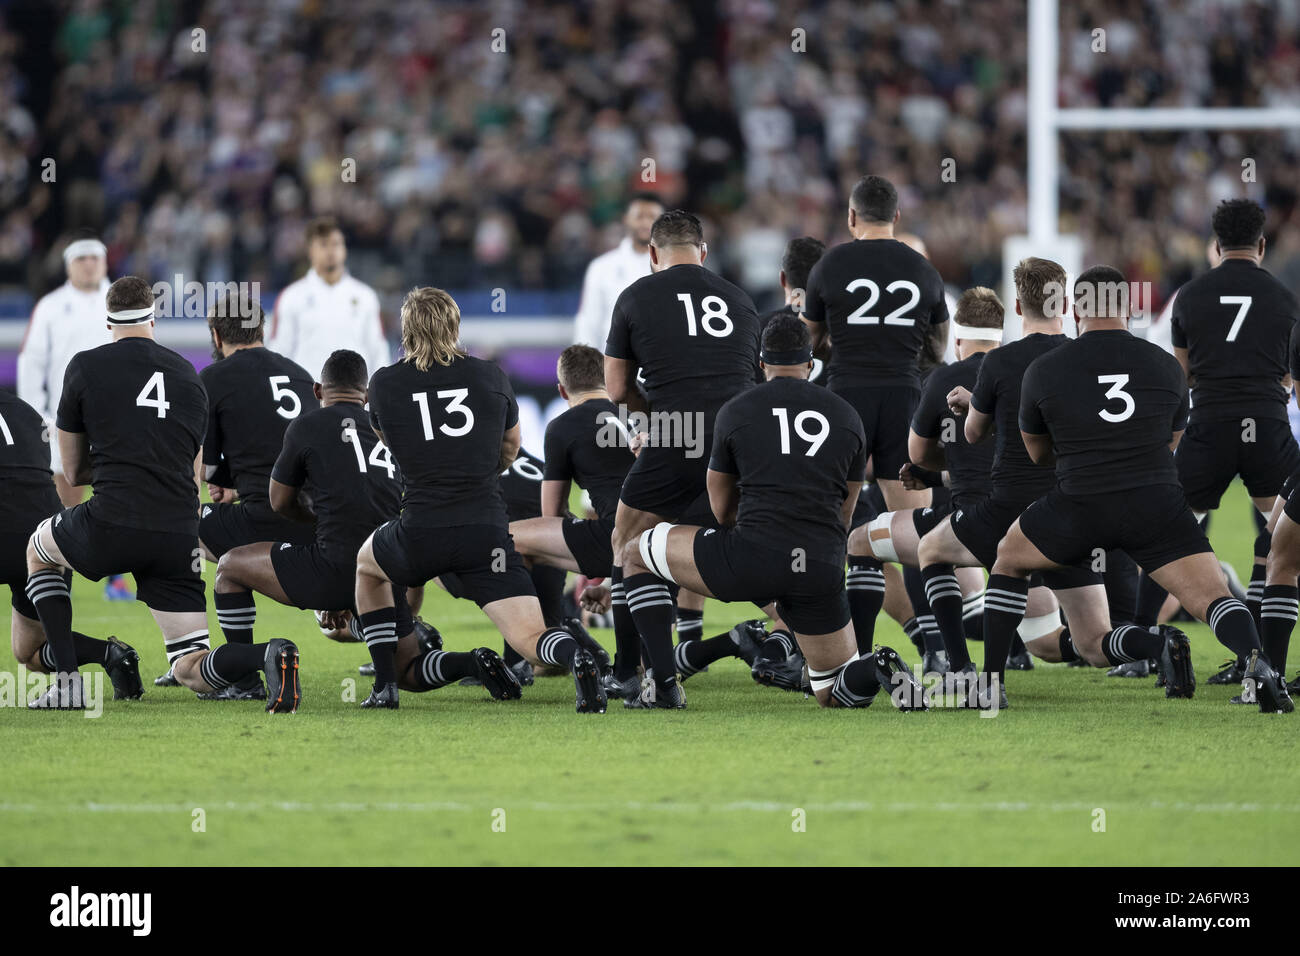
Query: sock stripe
{"type": "Point", "coordinates": [1224, 606]}
{"type": "Point", "coordinates": [208, 671]}
{"type": "Point", "coordinates": [40, 550]}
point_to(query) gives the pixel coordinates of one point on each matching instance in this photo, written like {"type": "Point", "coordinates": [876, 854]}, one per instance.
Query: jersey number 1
{"type": "Point", "coordinates": [159, 402]}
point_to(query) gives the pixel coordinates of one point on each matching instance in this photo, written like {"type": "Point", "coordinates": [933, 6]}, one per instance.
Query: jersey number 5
{"type": "Point", "coordinates": [159, 401]}
{"type": "Point", "coordinates": [1116, 390]}
{"type": "Point", "coordinates": [280, 394]}
{"type": "Point", "coordinates": [456, 406]}
{"type": "Point", "coordinates": [815, 439]}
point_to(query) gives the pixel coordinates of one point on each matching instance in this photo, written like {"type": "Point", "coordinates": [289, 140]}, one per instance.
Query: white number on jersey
{"type": "Point", "coordinates": [280, 394]}
{"type": "Point", "coordinates": [1243, 301]}
{"type": "Point", "coordinates": [379, 455]}
{"type": "Point", "coordinates": [155, 384]}
{"type": "Point", "coordinates": [1116, 390]}
{"type": "Point", "coordinates": [715, 320]}
{"type": "Point", "coordinates": [525, 469]}
{"type": "Point", "coordinates": [456, 406]}
{"type": "Point", "coordinates": [859, 315]}
{"type": "Point", "coordinates": [5, 432]}
{"type": "Point", "coordinates": [815, 439]}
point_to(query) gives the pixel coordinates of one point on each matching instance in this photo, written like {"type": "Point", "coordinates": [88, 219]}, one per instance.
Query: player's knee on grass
{"type": "Point", "coordinates": [186, 670]}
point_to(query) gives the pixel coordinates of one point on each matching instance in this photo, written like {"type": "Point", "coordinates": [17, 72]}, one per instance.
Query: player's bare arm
{"type": "Point", "coordinates": [75, 449]}
{"type": "Point", "coordinates": [724, 496]}
{"type": "Point", "coordinates": [285, 501]}
{"type": "Point", "coordinates": [1039, 447]}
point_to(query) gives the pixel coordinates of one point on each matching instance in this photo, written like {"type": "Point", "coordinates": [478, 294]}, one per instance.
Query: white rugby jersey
{"type": "Point", "coordinates": [65, 322]}
{"type": "Point", "coordinates": [313, 318]}
{"type": "Point", "coordinates": [607, 276]}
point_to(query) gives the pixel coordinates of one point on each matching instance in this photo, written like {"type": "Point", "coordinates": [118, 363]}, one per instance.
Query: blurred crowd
{"type": "Point", "coordinates": [492, 143]}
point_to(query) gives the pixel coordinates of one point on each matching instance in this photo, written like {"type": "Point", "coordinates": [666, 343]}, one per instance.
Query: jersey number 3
{"type": "Point", "coordinates": [456, 406]}
{"type": "Point", "coordinates": [154, 395]}
{"type": "Point", "coordinates": [1116, 391]}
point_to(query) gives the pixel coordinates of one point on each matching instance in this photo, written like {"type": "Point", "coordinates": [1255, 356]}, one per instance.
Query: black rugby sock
{"type": "Point", "coordinates": [557, 648]}
{"type": "Point", "coordinates": [944, 594]}
{"type": "Point", "coordinates": [1004, 609]}
{"type": "Point", "coordinates": [548, 582]}
{"type": "Point", "coordinates": [931, 638]}
{"type": "Point", "coordinates": [652, 610]}
{"type": "Point", "coordinates": [1278, 615]}
{"type": "Point", "coordinates": [627, 641]}
{"type": "Point", "coordinates": [857, 684]}
{"type": "Point", "coordinates": [693, 656]}
{"type": "Point", "coordinates": [434, 669]}
{"type": "Point", "coordinates": [1233, 626]}
{"type": "Point", "coordinates": [48, 591]}
{"type": "Point", "coordinates": [690, 624]}
{"type": "Point", "coordinates": [236, 613]}
{"type": "Point", "coordinates": [866, 589]}
{"type": "Point", "coordinates": [230, 663]}
{"type": "Point", "coordinates": [1066, 644]}
{"type": "Point", "coordinates": [1128, 643]}
{"type": "Point", "coordinates": [90, 650]}
{"type": "Point", "coordinates": [379, 629]}
{"type": "Point", "coordinates": [1150, 599]}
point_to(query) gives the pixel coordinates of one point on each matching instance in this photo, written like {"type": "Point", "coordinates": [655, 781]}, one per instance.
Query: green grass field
{"type": "Point", "coordinates": [455, 778]}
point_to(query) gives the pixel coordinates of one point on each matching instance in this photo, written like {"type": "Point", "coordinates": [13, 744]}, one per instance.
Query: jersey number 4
{"type": "Point", "coordinates": [815, 438]}
{"type": "Point", "coordinates": [456, 406]}
{"type": "Point", "coordinates": [154, 395]}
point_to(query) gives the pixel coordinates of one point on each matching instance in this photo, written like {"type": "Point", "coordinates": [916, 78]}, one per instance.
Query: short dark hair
{"type": "Point", "coordinates": [1238, 223]}
{"type": "Point", "coordinates": [129, 292]}
{"type": "Point", "coordinates": [1039, 281]}
{"type": "Point", "coordinates": [581, 369]}
{"type": "Point", "coordinates": [1101, 292]}
{"type": "Point", "coordinates": [800, 256]}
{"type": "Point", "coordinates": [235, 317]}
{"type": "Point", "coordinates": [875, 199]}
{"type": "Point", "coordinates": [785, 333]}
{"type": "Point", "coordinates": [676, 227]}
{"type": "Point", "coordinates": [644, 196]}
{"type": "Point", "coordinates": [322, 227]}
{"type": "Point", "coordinates": [344, 369]}
{"type": "Point", "coordinates": [980, 308]}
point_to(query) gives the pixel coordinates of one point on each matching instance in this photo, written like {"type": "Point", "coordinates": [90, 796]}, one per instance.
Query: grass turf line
{"type": "Point", "coordinates": [719, 783]}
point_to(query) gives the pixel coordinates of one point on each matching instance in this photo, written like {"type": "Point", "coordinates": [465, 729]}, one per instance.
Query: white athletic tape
{"type": "Point", "coordinates": [653, 545]}
{"type": "Point", "coordinates": [882, 542]}
{"type": "Point", "coordinates": [966, 332]}
{"type": "Point", "coordinates": [131, 316]}
{"type": "Point", "coordinates": [823, 680]}
{"type": "Point", "coordinates": [1040, 626]}
{"type": "Point", "coordinates": [84, 247]}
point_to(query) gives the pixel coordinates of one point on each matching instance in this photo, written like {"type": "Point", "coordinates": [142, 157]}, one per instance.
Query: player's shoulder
{"type": "Point", "coordinates": [726, 288]}
{"type": "Point", "coordinates": [15, 409]}
{"type": "Point", "coordinates": [294, 291]}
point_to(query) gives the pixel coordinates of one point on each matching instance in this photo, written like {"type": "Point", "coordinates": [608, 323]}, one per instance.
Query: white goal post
{"type": "Point", "coordinates": [1046, 120]}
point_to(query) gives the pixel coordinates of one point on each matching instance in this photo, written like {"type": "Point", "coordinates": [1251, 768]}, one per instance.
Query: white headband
{"type": "Point", "coordinates": [966, 332]}
{"type": "Point", "coordinates": [84, 247]}
{"type": "Point", "coordinates": [131, 316]}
